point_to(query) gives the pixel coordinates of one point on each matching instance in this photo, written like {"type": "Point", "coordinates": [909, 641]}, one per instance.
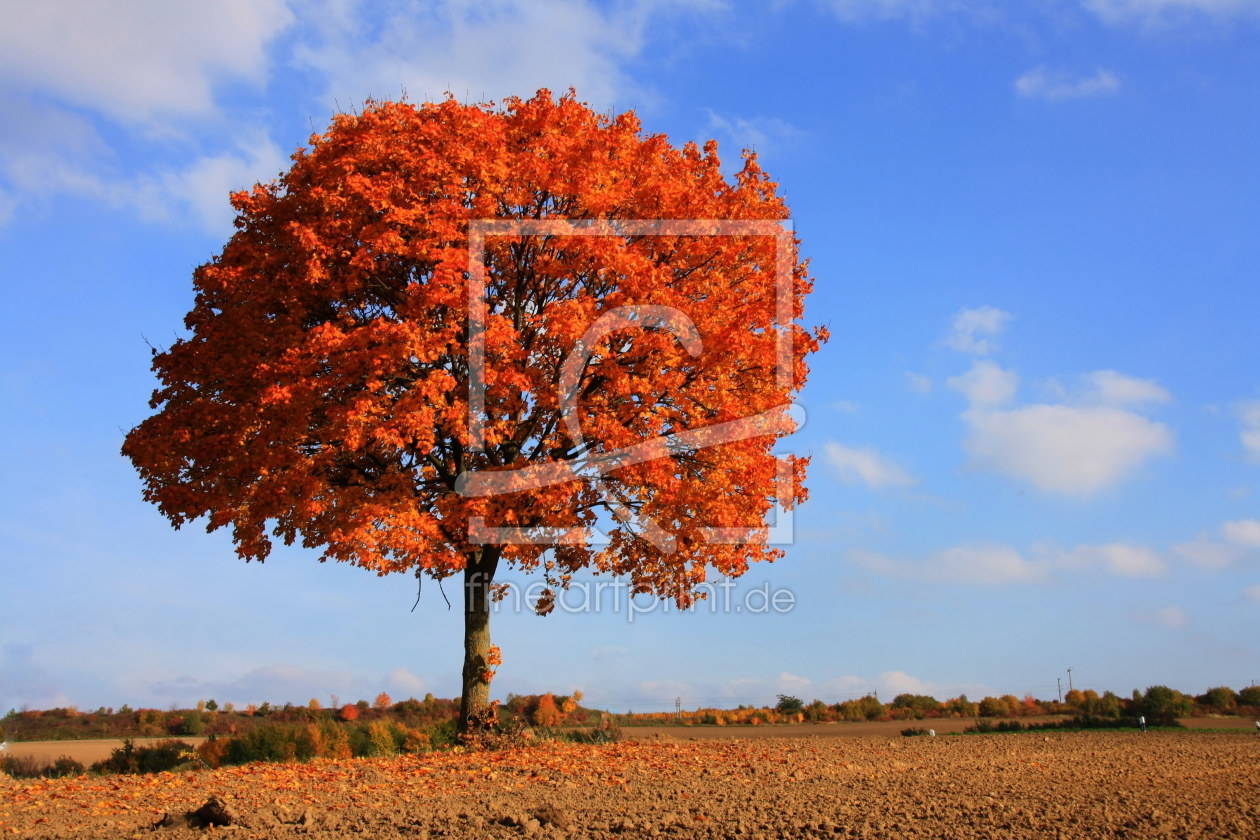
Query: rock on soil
{"type": "Point", "coordinates": [1024, 785]}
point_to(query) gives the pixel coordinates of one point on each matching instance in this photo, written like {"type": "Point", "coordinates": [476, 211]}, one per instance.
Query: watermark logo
{"type": "Point", "coordinates": [670, 319]}
{"type": "Point", "coordinates": [724, 597]}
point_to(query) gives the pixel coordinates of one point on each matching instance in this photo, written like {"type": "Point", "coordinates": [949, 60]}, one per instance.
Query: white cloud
{"type": "Point", "coordinates": [483, 49]}
{"type": "Point", "coordinates": [1171, 616]}
{"type": "Point", "coordinates": [606, 653]}
{"type": "Point", "coordinates": [1250, 435]}
{"type": "Point", "coordinates": [1075, 448]}
{"type": "Point", "coordinates": [157, 71]}
{"type": "Point", "coordinates": [1111, 388]}
{"type": "Point", "coordinates": [1117, 558]}
{"type": "Point", "coordinates": [1040, 83]}
{"type": "Point", "coordinates": [984, 564]}
{"type": "Point", "coordinates": [892, 683]}
{"type": "Point", "coordinates": [986, 384]}
{"type": "Point", "coordinates": [275, 684]}
{"type": "Point", "coordinates": [915, 11]}
{"type": "Point", "coordinates": [990, 564]}
{"type": "Point", "coordinates": [662, 692]}
{"type": "Point", "coordinates": [919, 383]}
{"type": "Point", "coordinates": [201, 190]}
{"type": "Point", "coordinates": [1209, 554]}
{"type": "Point", "coordinates": [23, 680]}
{"type": "Point", "coordinates": [1244, 532]}
{"type": "Point", "coordinates": [789, 683]}
{"type": "Point", "coordinates": [1165, 12]}
{"type": "Point", "coordinates": [1070, 450]}
{"type": "Point", "coordinates": [1241, 539]}
{"type": "Point", "coordinates": [866, 466]}
{"type": "Point", "coordinates": [760, 134]}
{"type": "Point", "coordinates": [136, 60]}
{"type": "Point", "coordinates": [403, 683]}
{"type": "Point", "coordinates": [153, 69]}
{"type": "Point", "coordinates": [887, 684]}
{"type": "Point", "coordinates": [976, 331]}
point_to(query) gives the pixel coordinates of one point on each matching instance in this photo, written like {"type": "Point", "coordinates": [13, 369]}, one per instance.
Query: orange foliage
{"type": "Point", "coordinates": [546, 714]}
{"type": "Point", "coordinates": [330, 354]}
{"type": "Point", "coordinates": [382, 702]}
{"type": "Point", "coordinates": [349, 712]}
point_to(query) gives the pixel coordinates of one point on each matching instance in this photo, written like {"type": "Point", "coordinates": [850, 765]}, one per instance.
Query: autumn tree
{"type": "Point", "coordinates": [455, 339]}
{"type": "Point", "coordinates": [546, 713]}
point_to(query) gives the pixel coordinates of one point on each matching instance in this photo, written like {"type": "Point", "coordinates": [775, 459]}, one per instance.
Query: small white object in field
{"type": "Point", "coordinates": [932, 732]}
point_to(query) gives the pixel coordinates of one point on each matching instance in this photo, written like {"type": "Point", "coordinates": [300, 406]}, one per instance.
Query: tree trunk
{"type": "Point", "coordinates": [478, 576]}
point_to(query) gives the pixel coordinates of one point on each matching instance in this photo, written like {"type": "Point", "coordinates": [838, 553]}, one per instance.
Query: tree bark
{"type": "Point", "coordinates": [478, 577]}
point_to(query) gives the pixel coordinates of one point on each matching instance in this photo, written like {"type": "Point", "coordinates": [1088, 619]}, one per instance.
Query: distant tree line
{"type": "Point", "coordinates": [1157, 703]}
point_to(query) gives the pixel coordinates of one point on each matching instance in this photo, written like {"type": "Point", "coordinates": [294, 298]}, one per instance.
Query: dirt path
{"type": "Point", "coordinates": [1026, 786]}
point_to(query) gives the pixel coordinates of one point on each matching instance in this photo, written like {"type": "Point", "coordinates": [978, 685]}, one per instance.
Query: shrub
{"type": "Point", "coordinates": [155, 758]}
{"type": "Point", "coordinates": [334, 741]}
{"type": "Point", "coordinates": [29, 767]}
{"type": "Point", "coordinates": [913, 731]}
{"type": "Point", "coordinates": [275, 742]}
{"type": "Point", "coordinates": [213, 751]}
{"type": "Point", "coordinates": [986, 725]}
{"type": "Point", "coordinates": [381, 735]}
{"type": "Point", "coordinates": [444, 734]}
{"type": "Point", "coordinates": [349, 713]}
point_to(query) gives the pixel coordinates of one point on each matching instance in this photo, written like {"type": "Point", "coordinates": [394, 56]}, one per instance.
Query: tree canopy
{"type": "Point", "coordinates": [452, 336]}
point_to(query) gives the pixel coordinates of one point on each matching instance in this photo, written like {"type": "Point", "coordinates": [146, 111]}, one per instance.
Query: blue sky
{"type": "Point", "coordinates": [1035, 431]}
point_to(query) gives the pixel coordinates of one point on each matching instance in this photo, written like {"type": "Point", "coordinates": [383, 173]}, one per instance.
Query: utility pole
{"type": "Point", "coordinates": [1069, 679]}
{"type": "Point", "coordinates": [1059, 680]}
{"type": "Point", "coordinates": [678, 707]}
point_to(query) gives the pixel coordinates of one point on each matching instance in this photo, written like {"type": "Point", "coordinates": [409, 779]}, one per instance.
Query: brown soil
{"type": "Point", "coordinates": [1083, 785]}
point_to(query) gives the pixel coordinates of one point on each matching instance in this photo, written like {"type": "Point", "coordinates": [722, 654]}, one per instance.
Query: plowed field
{"type": "Point", "coordinates": [1025, 785]}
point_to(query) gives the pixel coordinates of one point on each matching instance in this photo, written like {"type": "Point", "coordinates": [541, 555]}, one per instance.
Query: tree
{"type": "Point", "coordinates": [546, 713]}
{"type": "Point", "coordinates": [916, 705]}
{"type": "Point", "coordinates": [1221, 699]}
{"type": "Point", "coordinates": [1163, 705]}
{"type": "Point", "coordinates": [789, 705]}
{"type": "Point", "coordinates": [374, 370]}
